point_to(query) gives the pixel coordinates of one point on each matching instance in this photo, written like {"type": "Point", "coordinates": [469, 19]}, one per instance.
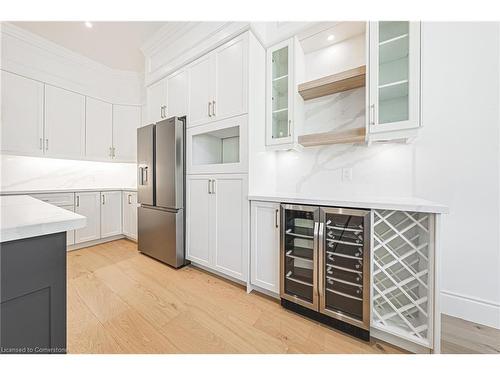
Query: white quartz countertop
{"type": "Point", "coordinates": [23, 216]}
{"type": "Point", "coordinates": [393, 203]}
{"type": "Point", "coordinates": [67, 190]}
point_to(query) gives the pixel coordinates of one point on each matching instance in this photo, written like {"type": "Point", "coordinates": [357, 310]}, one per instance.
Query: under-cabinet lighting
{"type": "Point", "coordinates": [330, 37]}
{"type": "Point", "coordinates": [88, 24]}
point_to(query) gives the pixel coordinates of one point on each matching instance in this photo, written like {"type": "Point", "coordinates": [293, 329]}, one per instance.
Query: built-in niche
{"type": "Point", "coordinates": [220, 146]}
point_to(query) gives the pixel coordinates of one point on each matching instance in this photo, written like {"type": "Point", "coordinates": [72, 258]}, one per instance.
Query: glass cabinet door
{"type": "Point", "coordinates": [344, 263]}
{"type": "Point", "coordinates": [298, 254]}
{"type": "Point", "coordinates": [278, 93]}
{"type": "Point", "coordinates": [394, 75]}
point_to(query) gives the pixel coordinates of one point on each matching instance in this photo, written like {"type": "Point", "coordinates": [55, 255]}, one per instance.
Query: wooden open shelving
{"type": "Point", "coordinates": [343, 81]}
{"type": "Point", "coordinates": [357, 135]}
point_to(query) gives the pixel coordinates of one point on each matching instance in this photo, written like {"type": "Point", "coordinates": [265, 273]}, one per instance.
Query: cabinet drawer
{"type": "Point", "coordinates": [57, 199]}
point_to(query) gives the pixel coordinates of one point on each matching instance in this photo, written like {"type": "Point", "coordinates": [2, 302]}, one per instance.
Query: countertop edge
{"type": "Point", "coordinates": [424, 206]}
{"type": "Point", "coordinates": [71, 190]}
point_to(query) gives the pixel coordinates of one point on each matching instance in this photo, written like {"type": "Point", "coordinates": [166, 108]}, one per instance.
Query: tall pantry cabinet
{"type": "Point", "coordinates": [220, 117]}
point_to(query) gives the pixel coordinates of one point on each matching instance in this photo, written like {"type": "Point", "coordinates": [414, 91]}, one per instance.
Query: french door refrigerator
{"type": "Point", "coordinates": [325, 265]}
{"type": "Point", "coordinates": [160, 190]}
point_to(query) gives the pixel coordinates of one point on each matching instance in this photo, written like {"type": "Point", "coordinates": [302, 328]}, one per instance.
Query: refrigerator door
{"type": "Point", "coordinates": [170, 163]}
{"type": "Point", "coordinates": [161, 234]}
{"type": "Point", "coordinates": [145, 166]}
{"type": "Point", "coordinates": [299, 255]}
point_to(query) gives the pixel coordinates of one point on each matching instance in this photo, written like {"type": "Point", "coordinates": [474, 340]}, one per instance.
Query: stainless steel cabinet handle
{"type": "Point", "coordinates": [103, 199]}
{"type": "Point", "coordinates": [276, 218]}
{"type": "Point", "coordinates": [372, 114]}
{"type": "Point", "coordinates": [209, 109]}
{"type": "Point", "coordinates": [209, 183]}
{"type": "Point", "coordinates": [129, 201]}
{"type": "Point", "coordinates": [77, 201]}
{"type": "Point", "coordinates": [321, 256]}
{"type": "Point", "coordinates": [41, 144]}
{"type": "Point", "coordinates": [213, 186]}
{"type": "Point", "coordinates": [213, 107]}
{"type": "Point", "coordinates": [145, 175]}
{"type": "Point", "coordinates": [46, 144]}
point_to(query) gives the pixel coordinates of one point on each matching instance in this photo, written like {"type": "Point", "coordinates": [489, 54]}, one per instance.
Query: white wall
{"type": "Point", "coordinates": [457, 161]}
{"type": "Point", "coordinates": [454, 161]}
{"type": "Point", "coordinates": [23, 173]}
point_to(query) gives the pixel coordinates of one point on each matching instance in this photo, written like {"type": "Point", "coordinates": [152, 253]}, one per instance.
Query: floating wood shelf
{"type": "Point", "coordinates": [357, 135]}
{"type": "Point", "coordinates": [347, 80]}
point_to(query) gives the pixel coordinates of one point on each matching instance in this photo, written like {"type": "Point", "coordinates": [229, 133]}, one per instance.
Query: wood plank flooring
{"type": "Point", "coordinates": [120, 301]}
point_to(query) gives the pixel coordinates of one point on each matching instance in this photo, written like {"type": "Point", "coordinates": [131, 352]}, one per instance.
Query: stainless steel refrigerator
{"type": "Point", "coordinates": [160, 190]}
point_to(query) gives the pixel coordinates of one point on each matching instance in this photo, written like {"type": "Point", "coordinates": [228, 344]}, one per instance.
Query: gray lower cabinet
{"type": "Point", "coordinates": [33, 295]}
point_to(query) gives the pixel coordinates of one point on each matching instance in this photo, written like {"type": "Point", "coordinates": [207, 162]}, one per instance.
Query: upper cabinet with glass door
{"type": "Point", "coordinates": [284, 104]}
{"type": "Point", "coordinates": [394, 71]}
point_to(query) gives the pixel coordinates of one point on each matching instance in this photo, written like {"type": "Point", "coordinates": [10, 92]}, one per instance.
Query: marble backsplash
{"type": "Point", "coordinates": [23, 173]}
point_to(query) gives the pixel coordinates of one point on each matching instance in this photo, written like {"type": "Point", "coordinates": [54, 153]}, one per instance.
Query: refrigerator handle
{"type": "Point", "coordinates": [315, 262]}
{"type": "Point", "coordinates": [321, 265]}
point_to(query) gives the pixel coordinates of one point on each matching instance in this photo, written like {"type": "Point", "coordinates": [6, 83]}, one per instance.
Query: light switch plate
{"type": "Point", "coordinates": [346, 174]}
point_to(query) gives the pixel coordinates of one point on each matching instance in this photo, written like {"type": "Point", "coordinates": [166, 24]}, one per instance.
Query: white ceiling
{"type": "Point", "coordinates": [114, 44]}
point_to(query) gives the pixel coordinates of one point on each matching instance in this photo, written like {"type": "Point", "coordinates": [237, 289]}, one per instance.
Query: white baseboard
{"type": "Point", "coordinates": [472, 309]}
{"type": "Point", "coordinates": [94, 242]}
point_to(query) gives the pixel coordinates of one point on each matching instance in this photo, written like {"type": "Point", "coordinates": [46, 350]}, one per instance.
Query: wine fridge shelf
{"type": "Point", "coordinates": [402, 274]}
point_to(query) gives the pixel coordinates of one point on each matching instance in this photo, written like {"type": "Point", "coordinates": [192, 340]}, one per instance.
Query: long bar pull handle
{"type": "Point", "coordinates": [321, 264]}
{"type": "Point", "coordinates": [77, 201]}
{"type": "Point", "coordinates": [145, 175]}
{"type": "Point", "coordinates": [209, 109]}
{"type": "Point", "coordinates": [209, 183]}
{"type": "Point", "coordinates": [213, 186]}
{"type": "Point", "coordinates": [103, 199]}
{"type": "Point", "coordinates": [276, 212]}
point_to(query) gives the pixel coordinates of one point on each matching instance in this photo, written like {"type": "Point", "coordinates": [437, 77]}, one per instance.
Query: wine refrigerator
{"type": "Point", "coordinates": [325, 265]}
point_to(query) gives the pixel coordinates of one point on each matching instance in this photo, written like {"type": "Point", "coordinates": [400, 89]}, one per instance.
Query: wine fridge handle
{"type": "Point", "coordinates": [321, 265]}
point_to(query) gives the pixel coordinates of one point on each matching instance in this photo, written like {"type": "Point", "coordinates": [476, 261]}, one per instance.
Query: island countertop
{"type": "Point", "coordinates": [389, 203]}
{"type": "Point", "coordinates": [23, 216]}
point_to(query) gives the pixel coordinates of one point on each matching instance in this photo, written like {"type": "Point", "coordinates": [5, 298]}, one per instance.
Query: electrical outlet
{"type": "Point", "coordinates": [346, 174]}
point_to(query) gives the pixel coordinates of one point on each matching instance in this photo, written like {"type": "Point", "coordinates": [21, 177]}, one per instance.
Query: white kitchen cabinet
{"type": "Point", "coordinates": [157, 101]}
{"type": "Point", "coordinates": [218, 83]}
{"type": "Point", "coordinates": [231, 234]}
{"type": "Point", "coordinates": [126, 120]}
{"type": "Point", "coordinates": [64, 123]}
{"type": "Point", "coordinates": [231, 75]}
{"type": "Point", "coordinates": [111, 213]}
{"type": "Point", "coordinates": [129, 214]}
{"type": "Point", "coordinates": [199, 219]}
{"type": "Point", "coordinates": [177, 94]}
{"type": "Point", "coordinates": [217, 223]}
{"type": "Point", "coordinates": [88, 204]}
{"type": "Point", "coordinates": [201, 82]}
{"type": "Point", "coordinates": [394, 79]}
{"type": "Point", "coordinates": [98, 130]}
{"type": "Point", "coordinates": [22, 115]}
{"type": "Point", "coordinates": [284, 105]}
{"type": "Point", "coordinates": [265, 245]}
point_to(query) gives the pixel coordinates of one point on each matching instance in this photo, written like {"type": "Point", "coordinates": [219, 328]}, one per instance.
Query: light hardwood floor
{"type": "Point", "coordinates": [120, 301]}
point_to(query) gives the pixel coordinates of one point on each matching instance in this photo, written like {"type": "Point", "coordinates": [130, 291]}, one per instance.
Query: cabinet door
{"type": "Point", "coordinates": [157, 99]}
{"type": "Point", "coordinates": [177, 97]}
{"type": "Point", "coordinates": [280, 86]}
{"type": "Point", "coordinates": [231, 218]}
{"type": "Point", "coordinates": [98, 129]}
{"type": "Point", "coordinates": [199, 220]}
{"type": "Point", "coordinates": [231, 61]}
{"type": "Point", "coordinates": [111, 213]}
{"type": "Point", "coordinates": [265, 245]}
{"type": "Point", "coordinates": [129, 214]}
{"type": "Point", "coordinates": [88, 205]}
{"type": "Point", "coordinates": [64, 123]}
{"type": "Point", "coordinates": [201, 77]}
{"type": "Point", "coordinates": [22, 115]}
{"type": "Point", "coordinates": [394, 75]}
{"type": "Point", "coordinates": [126, 120]}
{"type": "Point", "coordinates": [70, 235]}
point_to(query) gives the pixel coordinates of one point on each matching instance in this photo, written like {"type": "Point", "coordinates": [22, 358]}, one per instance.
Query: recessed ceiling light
{"type": "Point", "coordinates": [88, 24]}
{"type": "Point", "coordinates": [330, 37]}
